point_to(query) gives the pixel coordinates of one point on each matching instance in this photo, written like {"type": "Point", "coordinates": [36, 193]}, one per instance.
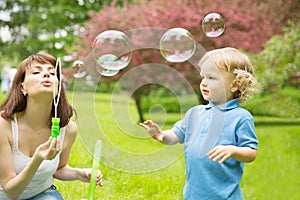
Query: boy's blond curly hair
{"type": "Point", "coordinates": [232, 60]}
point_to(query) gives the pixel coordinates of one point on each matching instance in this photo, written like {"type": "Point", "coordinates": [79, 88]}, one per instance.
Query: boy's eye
{"type": "Point", "coordinates": [211, 78]}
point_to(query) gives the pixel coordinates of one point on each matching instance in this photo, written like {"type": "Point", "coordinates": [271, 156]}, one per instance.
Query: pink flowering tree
{"type": "Point", "coordinates": [249, 25]}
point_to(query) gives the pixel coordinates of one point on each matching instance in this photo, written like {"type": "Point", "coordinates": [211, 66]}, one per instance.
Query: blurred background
{"type": "Point", "coordinates": [268, 31]}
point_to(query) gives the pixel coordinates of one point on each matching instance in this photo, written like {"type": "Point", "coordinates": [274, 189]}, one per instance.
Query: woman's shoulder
{"type": "Point", "coordinates": [5, 129]}
{"type": "Point", "coordinates": [71, 128]}
{"type": "Point", "coordinates": [4, 123]}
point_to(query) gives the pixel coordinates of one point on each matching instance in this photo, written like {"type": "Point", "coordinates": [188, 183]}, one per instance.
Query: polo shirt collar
{"type": "Point", "coordinates": [226, 106]}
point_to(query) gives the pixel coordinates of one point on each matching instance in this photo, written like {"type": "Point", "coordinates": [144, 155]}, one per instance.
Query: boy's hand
{"type": "Point", "coordinates": [153, 130]}
{"type": "Point", "coordinates": [221, 153]}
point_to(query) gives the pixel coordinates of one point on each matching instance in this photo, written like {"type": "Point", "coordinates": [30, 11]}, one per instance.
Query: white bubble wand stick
{"type": "Point", "coordinates": [55, 119]}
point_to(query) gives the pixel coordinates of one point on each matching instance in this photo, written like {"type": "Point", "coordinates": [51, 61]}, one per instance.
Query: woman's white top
{"type": "Point", "coordinates": [43, 178]}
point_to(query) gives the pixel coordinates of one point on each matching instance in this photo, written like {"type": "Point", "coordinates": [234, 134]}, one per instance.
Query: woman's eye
{"type": "Point", "coordinates": [52, 73]}
{"type": "Point", "coordinates": [35, 72]}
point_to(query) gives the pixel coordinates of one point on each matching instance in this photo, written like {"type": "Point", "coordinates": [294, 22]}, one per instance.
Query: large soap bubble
{"type": "Point", "coordinates": [112, 50]}
{"type": "Point", "coordinates": [177, 45]}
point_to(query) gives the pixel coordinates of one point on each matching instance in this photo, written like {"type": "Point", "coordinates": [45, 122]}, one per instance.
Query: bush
{"type": "Point", "coordinates": [285, 103]}
{"type": "Point", "coordinates": [279, 63]}
{"type": "Point", "coordinates": [170, 104]}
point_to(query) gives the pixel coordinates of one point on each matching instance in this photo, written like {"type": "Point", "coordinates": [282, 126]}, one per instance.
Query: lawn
{"type": "Point", "coordinates": [274, 174]}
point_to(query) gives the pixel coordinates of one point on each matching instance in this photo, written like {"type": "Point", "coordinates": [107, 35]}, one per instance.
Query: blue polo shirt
{"type": "Point", "coordinates": [205, 179]}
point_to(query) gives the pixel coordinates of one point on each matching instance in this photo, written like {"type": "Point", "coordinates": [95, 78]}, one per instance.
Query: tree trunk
{"type": "Point", "coordinates": [138, 106]}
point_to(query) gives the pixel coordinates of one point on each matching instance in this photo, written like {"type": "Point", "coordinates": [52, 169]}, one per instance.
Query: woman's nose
{"type": "Point", "coordinates": [46, 75]}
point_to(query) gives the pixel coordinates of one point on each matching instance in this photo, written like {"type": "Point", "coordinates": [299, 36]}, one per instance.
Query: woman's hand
{"type": "Point", "coordinates": [49, 149]}
{"type": "Point", "coordinates": [84, 174]}
{"type": "Point", "coordinates": [153, 130]}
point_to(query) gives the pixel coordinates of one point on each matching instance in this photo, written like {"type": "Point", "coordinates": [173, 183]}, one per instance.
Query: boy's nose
{"type": "Point", "coordinates": [203, 83]}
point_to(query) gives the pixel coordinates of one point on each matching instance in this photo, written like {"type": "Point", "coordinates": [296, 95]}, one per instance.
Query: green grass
{"type": "Point", "coordinates": [274, 174]}
{"type": "Point", "coordinates": [276, 171]}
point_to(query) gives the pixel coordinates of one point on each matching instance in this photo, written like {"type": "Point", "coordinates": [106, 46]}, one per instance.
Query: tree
{"type": "Point", "coordinates": [248, 26]}
{"type": "Point", "coordinates": [51, 25]}
{"type": "Point", "coordinates": [279, 62]}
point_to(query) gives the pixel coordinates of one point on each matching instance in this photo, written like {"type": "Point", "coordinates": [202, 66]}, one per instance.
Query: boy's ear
{"type": "Point", "coordinates": [235, 86]}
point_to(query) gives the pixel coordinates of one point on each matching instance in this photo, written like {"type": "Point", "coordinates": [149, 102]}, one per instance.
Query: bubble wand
{"type": "Point", "coordinates": [92, 185]}
{"type": "Point", "coordinates": [55, 119]}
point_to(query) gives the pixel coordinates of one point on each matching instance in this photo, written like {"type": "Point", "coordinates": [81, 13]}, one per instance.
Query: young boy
{"type": "Point", "coordinates": [220, 131]}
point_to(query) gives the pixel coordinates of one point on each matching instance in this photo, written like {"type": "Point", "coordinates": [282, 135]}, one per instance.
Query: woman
{"type": "Point", "coordinates": [30, 158]}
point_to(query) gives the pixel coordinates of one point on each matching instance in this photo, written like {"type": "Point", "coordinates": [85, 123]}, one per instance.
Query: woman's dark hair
{"type": "Point", "coordinates": [17, 102]}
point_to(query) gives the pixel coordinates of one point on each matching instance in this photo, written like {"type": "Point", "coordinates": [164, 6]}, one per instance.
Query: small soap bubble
{"type": "Point", "coordinates": [109, 72]}
{"type": "Point", "coordinates": [112, 62]}
{"type": "Point", "coordinates": [107, 60]}
{"type": "Point", "coordinates": [213, 25]}
{"type": "Point", "coordinates": [177, 45]}
{"type": "Point", "coordinates": [112, 50]}
{"type": "Point", "coordinates": [79, 69]}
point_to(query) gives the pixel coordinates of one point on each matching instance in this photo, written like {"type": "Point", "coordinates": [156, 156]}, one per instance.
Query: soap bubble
{"type": "Point", "coordinates": [108, 60]}
{"type": "Point", "coordinates": [121, 116]}
{"type": "Point", "coordinates": [112, 50]}
{"type": "Point", "coordinates": [109, 72]}
{"type": "Point", "coordinates": [213, 25]}
{"type": "Point", "coordinates": [112, 62]}
{"type": "Point", "coordinates": [177, 45]}
{"type": "Point", "coordinates": [79, 69]}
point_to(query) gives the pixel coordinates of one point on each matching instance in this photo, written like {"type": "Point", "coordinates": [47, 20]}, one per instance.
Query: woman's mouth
{"type": "Point", "coordinates": [46, 82]}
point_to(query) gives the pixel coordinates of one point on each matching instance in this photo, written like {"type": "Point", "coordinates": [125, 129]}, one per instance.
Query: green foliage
{"type": "Point", "coordinates": [52, 25]}
{"type": "Point", "coordinates": [274, 105]}
{"type": "Point", "coordinates": [245, 23]}
{"type": "Point", "coordinates": [279, 64]}
{"type": "Point", "coordinates": [108, 87]}
{"type": "Point", "coordinates": [170, 104]}
{"type": "Point", "coordinates": [284, 103]}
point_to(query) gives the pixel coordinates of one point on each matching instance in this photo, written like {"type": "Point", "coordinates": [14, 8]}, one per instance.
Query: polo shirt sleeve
{"type": "Point", "coordinates": [180, 127]}
{"type": "Point", "coordinates": [245, 135]}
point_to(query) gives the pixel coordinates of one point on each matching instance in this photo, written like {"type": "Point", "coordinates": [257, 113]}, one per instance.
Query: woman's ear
{"type": "Point", "coordinates": [23, 90]}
